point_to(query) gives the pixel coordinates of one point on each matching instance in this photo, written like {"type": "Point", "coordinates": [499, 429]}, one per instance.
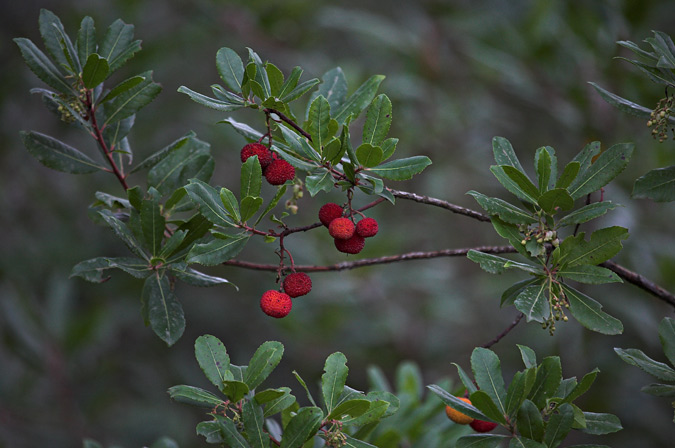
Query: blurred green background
{"type": "Point", "coordinates": [75, 359]}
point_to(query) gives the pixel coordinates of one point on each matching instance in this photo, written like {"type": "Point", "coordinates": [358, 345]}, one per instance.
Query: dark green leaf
{"type": "Point", "coordinates": [220, 93]}
{"type": "Point", "coordinates": [230, 68]}
{"type": "Point", "coordinates": [358, 100]}
{"type": "Point", "coordinates": [210, 430]}
{"type": "Point", "coordinates": [599, 424]}
{"type": "Point", "coordinates": [52, 32]}
{"type": "Point", "coordinates": [300, 90]}
{"type": "Point", "coordinates": [507, 212]}
{"type": "Point", "coordinates": [263, 362]}
{"type": "Point", "coordinates": [57, 155]}
{"type": "Point", "coordinates": [323, 181]}
{"type": "Point", "coordinates": [230, 433]}
{"type": "Point", "coordinates": [213, 103]}
{"type": "Point", "coordinates": [521, 442]}
{"type": "Point", "coordinates": [496, 265]}
{"type": "Point", "coordinates": [172, 244]}
{"type": "Point", "coordinates": [276, 78]}
{"type": "Point", "coordinates": [118, 44]}
{"type": "Point", "coordinates": [164, 311]}
{"type": "Point", "coordinates": [409, 380]}
{"type": "Point", "coordinates": [533, 302]}
{"type": "Point", "coordinates": [229, 201]}
{"type": "Point", "coordinates": [466, 379]}
{"type": "Point", "coordinates": [480, 441]}
{"type": "Point", "coordinates": [351, 442]}
{"type": "Point", "coordinates": [582, 387]}
{"type": "Point", "coordinates": [667, 338]}
{"type": "Point", "coordinates": [547, 381]}
{"type": "Point", "coordinates": [196, 278]}
{"type": "Point", "coordinates": [280, 403]}
{"type": "Point", "coordinates": [275, 200]}
{"type": "Point", "coordinates": [153, 224]}
{"type": "Point", "coordinates": [333, 379]}
{"type": "Point", "coordinates": [622, 104]}
{"type": "Point", "coordinates": [43, 68]}
{"type": "Point", "coordinates": [456, 403]}
{"type": "Point", "coordinates": [637, 358]}
{"type": "Point", "coordinates": [658, 185]}
{"type": "Point", "coordinates": [95, 71]}
{"type": "Point", "coordinates": [267, 395]}
{"type": "Point", "coordinates": [302, 427]}
{"type": "Point", "coordinates": [92, 270]}
{"type": "Point", "coordinates": [504, 153]}
{"type": "Point", "coordinates": [115, 134]}
{"type": "Point", "coordinates": [123, 233]}
{"type": "Point", "coordinates": [86, 39]}
{"type": "Point", "coordinates": [378, 121]}
{"type": "Point", "coordinates": [515, 394]}
{"type": "Point", "coordinates": [509, 296]}
{"type": "Point", "coordinates": [558, 426]}
{"type": "Point", "coordinates": [586, 213]}
{"type": "Point", "coordinates": [254, 423]}
{"type": "Point", "coordinates": [122, 87]}
{"type": "Point", "coordinates": [512, 186]}
{"type": "Point", "coordinates": [530, 422]}
{"type": "Point", "coordinates": [523, 183]}
{"type": "Point", "coordinates": [484, 403]}
{"type": "Point", "coordinates": [568, 175]}
{"type": "Point", "coordinates": [213, 359]}
{"type": "Point", "coordinates": [660, 390]}
{"type": "Point", "coordinates": [235, 390]}
{"type": "Point", "coordinates": [607, 166]}
{"type": "Point", "coordinates": [249, 206]}
{"type": "Point", "coordinates": [555, 200]}
{"type": "Point", "coordinates": [388, 148]}
{"type": "Point", "coordinates": [546, 165]}
{"type": "Point", "coordinates": [210, 203]}
{"type": "Point", "coordinates": [488, 374]}
{"type": "Point", "coordinates": [251, 178]}
{"type": "Point", "coordinates": [585, 156]}
{"type": "Point", "coordinates": [333, 88]}
{"type": "Point", "coordinates": [132, 100]}
{"type": "Point", "coordinates": [319, 125]}
{"type": "Point", "coordinates": [194, 396]}
{"type": "Point", "coordinates": [603, 245]}
{"type": "Point", "coordinates": [528, 355]}
{"type": "Point", "coordinates": [333, 151]}
{"type": "Point", "coordinates": [217, 251]}
{"type": "Point", "coordinates": [589, 274]}
{"type": "Point", "coordinates": [353, 408]}
{"type": "Point", "coordinates": [260, 73]}
{"type": "Point", "coordinates": [304, 386]}
{"type": "Point", "coordinates": [291, 82]}
{"type": "Point", "coordinates": [401, 169]}
{"type": "Point", "coordinates": [368, 155]}
{"type": "Point", "coordinates": [589, 313]}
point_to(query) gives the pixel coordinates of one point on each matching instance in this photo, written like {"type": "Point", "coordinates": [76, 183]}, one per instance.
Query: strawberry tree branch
{"type": "Point", "coordinates": [506, 331]}
{"type": "Point", "coordinates": [290, 122]}
{"type": "Point", "coordinates": [640, 281]}
{"type": "Point", "coordinates": [440, 203]}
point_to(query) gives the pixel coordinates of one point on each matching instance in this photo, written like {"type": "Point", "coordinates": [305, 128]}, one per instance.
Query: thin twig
{"type": "Point", "coordinates": [505, 332]}
{"type": "Point", "coordinates": [440, 203]}
{"type": "Point", "coordinates": [292, 123]}
{"type": "Point", "coordinates": [346, 265]}
{"type": "Point", "coordinates": [640, 281]}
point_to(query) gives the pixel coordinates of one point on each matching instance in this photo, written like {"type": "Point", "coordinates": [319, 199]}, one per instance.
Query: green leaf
{"type": "Point", "coordinates": [589, 313]}
{"type": "Point", "coordinates": [132, 100]}
{"type": "Point", "coordinates": [409, 380]}
{"type": "Point", "coordinates": [546, 165]}
{"type": "Point", "coordinates": [54, 36]}
{"type": "Point", "coordinates": [275, 200]}
{"type": "Point", "coordinates": [230, 68]}
{"type": "Point", "coordinates": [358, 100]}
{"type": "Point", "coordinates": [194, 396]}
{"type": "Point", "coordinates": [235, 390]}
{"type": "Point", "coordinates": [280, 403]}
{"type": "Point", "coordinates": [230, 433]}
{"type": "Point", "coordinates": [86, 39]}
{"type": "Point", "coordinates": [512, 186]}
{"type": "Point", "coordinates": [304, 386]}
{"type": "Point", "coordinates": [213, 359]}
{"type": "Point", "coordinates": [484, 403]}
{"type": "Point", "coordinates": [568, 175]}
{"type": "Point", "coordinates": [637, 358]}
{"type": "Point", "coordinates": [56, 155]}
{"type": "Point", "coordinates": [582, 387]}
{"type": "Point", "coordinates": [251, 178]}
{"type": "Point", "coordinates": [276, 78]}
{"type": "Point", "coordinates": [114, 136]}
{"type": "Point", "coordinates": [353, 408]}
{"type": "Point", "coordinates": [456, 403]}
{"type": "Point", "coordinates": [152, 223]}
{"type": "Point", "coordinates": [118, 44]}
{"type": "Point", "coordinates": [547, 381]}
{"type": "Point", "coordinates": [480, 441]}
{"type": "Point", "coordinates": [586, 213]}
{"type": "Point", "coordinates": [123, 233]}
{"type": "Point", "coordinates": [263, 362]}
{"type": "Point", "coordinates": [533, 302]}
{"type": "Point", "coordinates": [523, 183]}
{"type": "Point", "coordinates": [333, 88]}
{"type": "Point", "coordinates": [528, 355]}
{"type": "Point", "coordinates": [530, 422]}
{"type": "Point", "coordinates": [509, 296]}
{"type": "Point", "coordinates": [520, 442]}
{"type": "Point", "coordinates": [585, 157]}
{"type": "Point", "coordinates": [260, 73]}
{"type": "Point", "coordinates": [378, 121]}
{"type": "Point", "coordinates": [122, 87]}
{"type": "Point", "coordinates": [607, 166]}
{"type": "Point", "coordinates": [504, 153]}
{"type": "Point", "coordinates": [300, 90]}
{"type": "Point", "coordinates": [333, 151]}
{"type": "Point", "coordinates": [291, 82]}
{"type": "Point", "coordinates": [368, 155]}
{"type": "Point", "coordinates": [622, 104]}
{"type": "Point", "coordinates": [333, 379]}
{"type": "Point", "coordinates": [217, 251]}
{"type": "Point", "coordinates": [254, 423]}
{"type": "Point", "coordinates": [603, 245]}
{"type": "Point", "coordinates": [488, 374]}
{"type": "Point", "coordinates": [220, 93]}
{"type": "Point", "coordinates": [555, 200]}
{"type": "Point", "coordinates": [320, 126]}
{"type": "Point", "coordinates": [249, 206]}
{"type": "Point", "coordinates": [43, 67]}
{"type": "Point", "coordinates": [212, 205]}
{"type": "Point", "coordinates": [388, 148]}
{"type": "Point", "coordinates": [196, 278]}
{"type": "Point", "coordinates": [585, 273]}
{"type": "Point", "coordinates": [210, 430]}
{"type": "Point", "coordinates": [657, 185]}
{"type": "Point", "coordinates": [229, 201]}
{"type": "Point", "coordinates": [92, 270]}
{"type": "Point", "coordinates": [268, 395]}
{"type": "Point", "coordinates": [599, 424]}
{"type": "Point", "coordinates": [660, 390]}
{"type": "Point", "coordinates": [207, 101]}
{"type": "Point", "coordinates": [507, 212]}
{"type": "Point", "coordinates": [401, 169]}
{"type": "Point", "coordinates": [319, 182]}
{"type": "Point", "coordinates": [466, 379]}
{"type": "Point", "coordinates": [95, 71]}
{"type": "Point", "coordinates": [172, 244]}
{"type": "Point", "coordinates": [164, 311]}
{"type": "Point", "coordinates": [515, 394]}
{"type": "Point", "coordinates": [302, 426]}
{"type": "Point", "coordinates": [496, 265]}
{"type": "Point", "coordinates": [667, 338]}
{"type": "Point", "coordinates": [351, 442]}
{"type": "Point", "coordinates": [558, 426]}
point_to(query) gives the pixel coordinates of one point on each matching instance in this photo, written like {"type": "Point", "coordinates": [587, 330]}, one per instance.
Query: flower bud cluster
{"type": "Point", "coordinates": [659, 118]}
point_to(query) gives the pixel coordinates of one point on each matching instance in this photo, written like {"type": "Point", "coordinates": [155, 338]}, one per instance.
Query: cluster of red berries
{"type": "Point", "coordinates": [463, 419]}
{"type": "Point", "coordinates": [277, 171]}
{"type": "Point", "coordinates": [278, 304]}
{"type": "Point", "coordinates": [349, 238]}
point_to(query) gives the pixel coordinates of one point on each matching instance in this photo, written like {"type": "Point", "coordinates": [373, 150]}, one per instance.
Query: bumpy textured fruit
{"type": "Point", "coordinates": [297, 284]}
{"type": "Point", "coordinates": [279, 171]}
{"type": "Point", "coordinates": [353, 245]}
{"type": "Point", "coordinates": [276, 304]}
{"type": "Point", "coordinates": [458, 417]}
{"type": "Point", "coordinates": [367, 227]}
{"type": "Point", "coordinates": [257, 149]}
{"type": "Point", "coordinates": [341, 228]}
{"type": "Point", "coordinates": [329, 212]}
{"type": "Point", "coordinates": [482, 426]}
